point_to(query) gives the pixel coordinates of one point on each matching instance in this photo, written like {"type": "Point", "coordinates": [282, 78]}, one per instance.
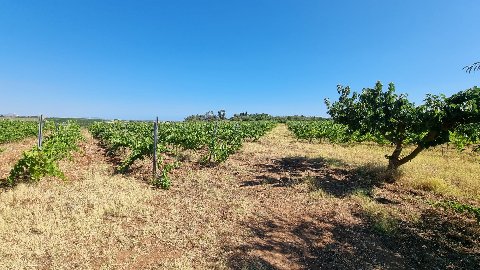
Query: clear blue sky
{"type": "Point", "coordinates": [139, 59]}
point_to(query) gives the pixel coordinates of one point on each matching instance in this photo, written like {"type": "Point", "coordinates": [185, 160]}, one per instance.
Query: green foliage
{"type": "Point", "coordinates": [208, 116]}
{"type": "Point", "coordinates": [373, 111]}
{"type": "Point", "coordinates": [163, 181]}
{"type": "Point", "coordinates": [395, 119]}
{"type": "Point", "coordinates": [14, 130]}
{"type": "Point", "coordinates": [245, 116]}
{"type": "Point", "coordinates": [83, 122]}
{"type": "Point", "coordinates": [440, 115]}
{"type": "Point", "coordinates": [465, 136]}
{"type": "Point", "coordinates": [221, 114]}
{"type": "Point", "coordinates": [37, 163]}
{"type": "Point", "coordinates": [328, 130]}
{"type": "Point", "coordinates": [217, 140]}
{"type": "Point", "coordinates": [459, 208]}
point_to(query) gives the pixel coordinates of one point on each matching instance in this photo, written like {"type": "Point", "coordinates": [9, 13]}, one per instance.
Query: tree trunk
{"type": "Point", "coordinates": [393, 165]}
{"type": "Point", "coordinates": [394, 161]}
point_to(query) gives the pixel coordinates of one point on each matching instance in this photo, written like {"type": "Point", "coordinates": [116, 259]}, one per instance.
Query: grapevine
{"type": "Point", "coordinates": [37, 163]}
{"type": "Point", "coordinates": [15, 130]}
{"type": "Point", "coordinates": [215, 140]}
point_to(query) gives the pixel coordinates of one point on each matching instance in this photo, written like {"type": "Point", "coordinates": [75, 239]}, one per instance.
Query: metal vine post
{"type": "Point", "coordinates": [40, 131]}
{"type": "Point", "coordinates": [155, 140]}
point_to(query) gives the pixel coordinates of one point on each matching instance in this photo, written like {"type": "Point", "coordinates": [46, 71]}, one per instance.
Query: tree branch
{"type": "Point", "coordinates": [411, 156]}
{"type": "Point", "coordinates": [430, 136]}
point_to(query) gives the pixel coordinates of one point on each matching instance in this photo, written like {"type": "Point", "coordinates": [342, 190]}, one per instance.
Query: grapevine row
{"type": "Point", "coordinates": [15, 130]}
{"type": "Point", "coordinates": [327, 130]}
{"type": "Point", "coordinates": [216, 141]}
{"type": "Point", "coordinates": [37, 163]}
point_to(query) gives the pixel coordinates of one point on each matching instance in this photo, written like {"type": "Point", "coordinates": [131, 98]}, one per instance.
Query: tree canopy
{"type": "Point", "coordinates": [400, 121]}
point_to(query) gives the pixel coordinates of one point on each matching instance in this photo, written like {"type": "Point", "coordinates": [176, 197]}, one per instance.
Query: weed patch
{"type": "Point", "coordinates": [459, 208]}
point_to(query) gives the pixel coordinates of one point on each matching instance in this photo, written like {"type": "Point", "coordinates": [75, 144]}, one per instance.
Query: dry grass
{"type": "Point", "coordinates": [333, 175]}
{"type": "Point", "coordinates": [278, 203]}
{"type": "Point", "coordinates": [75, 224]}
{"type": "Point", "coordinates": [446, 172]}
{"type": "Point", "coordinates": [99, 220]}
{"type": "Point", "coordinates": [384, 218]}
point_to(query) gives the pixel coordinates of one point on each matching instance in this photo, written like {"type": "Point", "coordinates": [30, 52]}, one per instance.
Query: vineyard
{"type": "Point", "coordinates": [239, 135]}
{"type": "Point", "coordinates": [464, 137]}
{"type": "Point", "coordinates": [237, 191]}
{"type": "Point", "coordinates": [13, 130]}
{"type": "Point", "coordinates": [39, 162]}
{"type": "Point", "coordinates": [216, 141]}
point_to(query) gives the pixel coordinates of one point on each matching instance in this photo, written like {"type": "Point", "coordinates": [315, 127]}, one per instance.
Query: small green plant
{"type": "Point", "coordinates": [33, 165]}
{"type": "Point", "coordinates": [163, 181]}
{"type": "Point", "coordinates": [458, 207]}
{"type": "Point", "coordinates": [362, 193]}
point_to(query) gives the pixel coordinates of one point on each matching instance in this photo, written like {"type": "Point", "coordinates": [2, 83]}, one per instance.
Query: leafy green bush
{"type": "Point", "coordinates": [163, 181]}
{"type": "Point", "coordinates": [37, 163]}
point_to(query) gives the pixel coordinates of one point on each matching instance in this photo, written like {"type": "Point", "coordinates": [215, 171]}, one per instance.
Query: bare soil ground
{"type": "Point", "coordinates": [276, 204]}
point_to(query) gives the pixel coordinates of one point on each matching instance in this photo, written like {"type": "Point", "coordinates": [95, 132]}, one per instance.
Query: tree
{"type": "Point", "coordinates": [399, 121]}
{"type": "Point", "coordinates": [208, 116]}
{"type": "Point", "coordinates": [473, 67]}
{"type": "Point", "coordinates": [221, 114]}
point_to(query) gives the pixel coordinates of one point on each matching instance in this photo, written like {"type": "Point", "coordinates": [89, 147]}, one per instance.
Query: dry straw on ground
{"type": "Point", "coordinates": [277, 204]}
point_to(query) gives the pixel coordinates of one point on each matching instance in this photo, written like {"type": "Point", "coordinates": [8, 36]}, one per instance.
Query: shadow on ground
{"type": "Point", "coordinates": [326, 242]}
{"type": "Point", "coordinates": [346, 238]}
{"type": "Point", "coordinates": [320, 173]}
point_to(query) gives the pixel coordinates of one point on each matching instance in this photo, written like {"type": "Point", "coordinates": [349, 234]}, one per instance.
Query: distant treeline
{"type": "Point", "coordinates": [84, 122]}
{"type": "Point", "coordinates": [245, 116]}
